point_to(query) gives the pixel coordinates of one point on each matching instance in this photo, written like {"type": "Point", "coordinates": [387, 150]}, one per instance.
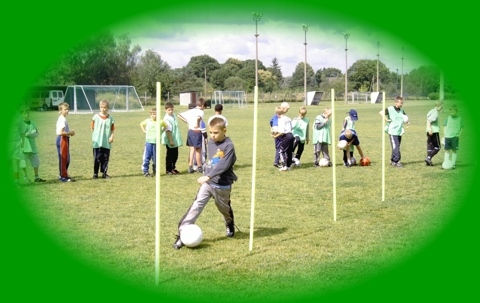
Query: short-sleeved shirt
{"type": "Point", "coordinates": [432, 117]}
{"type": "Point", "coordinates": [62, 125]}
{"type": "Point", "coordinates": [191, 116]}
{"type": "Point", "coordinates": [453, 126]}
{"type": "Point", "coordinates": [150, 130]}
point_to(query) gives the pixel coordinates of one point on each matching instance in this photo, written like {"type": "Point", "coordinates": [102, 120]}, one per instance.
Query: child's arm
{"type": "Point", "coordinates": [110, 140]}
{"type": "Point", "coordinates": [67, 134]}
{"type": "Point", "coordinates": [142, 126]}
{"type": "Point", "coordinates": [360, 151]}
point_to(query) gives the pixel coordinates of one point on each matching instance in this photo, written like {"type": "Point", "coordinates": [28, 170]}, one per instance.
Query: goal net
{"type": "Point", "coordinates": [356, 97]}
{"type": "Point", "coordinates": [86, 98]}
{"type": "Point", "coordinates": [230, 98]}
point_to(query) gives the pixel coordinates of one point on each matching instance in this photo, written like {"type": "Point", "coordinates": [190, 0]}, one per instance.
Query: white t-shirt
{"type": "Point", "coordinates": [191, 116]}
{"type": "Point", "coordinates": [62, 125]}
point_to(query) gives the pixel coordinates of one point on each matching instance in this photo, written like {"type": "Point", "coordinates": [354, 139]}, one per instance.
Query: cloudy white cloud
{"type": "Point", "coordinates": [177, 43]}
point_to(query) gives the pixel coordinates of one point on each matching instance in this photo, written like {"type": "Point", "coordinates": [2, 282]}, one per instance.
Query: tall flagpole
{"type": "Point", "coordinates": [383, 146]}
{"type": "Point", "coordinates": [157, 191]}
{"type": "Point", "coordinates": [334, 171]}
{"type": "Point", "coordinates": [256, 18]}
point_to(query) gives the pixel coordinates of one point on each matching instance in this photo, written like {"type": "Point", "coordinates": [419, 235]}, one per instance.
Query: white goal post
{"type": "Point", "coordinates": [230, 98]}
{"type": "Point", "coordinates": [357, 97]}
{"type": "Point", "coordinates": [86, 98]}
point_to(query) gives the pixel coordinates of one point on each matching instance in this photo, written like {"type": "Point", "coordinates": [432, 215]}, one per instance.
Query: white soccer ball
{"type": "Point", "coordinates": [405, 119]}
{"type": "Point", "coordinates": [353, 161]}
{"type": "Point", "coordinates": [323, 162]}
{"type": "Point", "coordinates": [342, 144]}
{"type": "Point", "coordinates": [191, 235]}
{"type": "Point", "coordinates": [274, 130]}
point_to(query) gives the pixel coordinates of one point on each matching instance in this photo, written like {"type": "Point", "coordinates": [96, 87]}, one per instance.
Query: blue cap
{"type": "Point", "coordinates": [353, 114]}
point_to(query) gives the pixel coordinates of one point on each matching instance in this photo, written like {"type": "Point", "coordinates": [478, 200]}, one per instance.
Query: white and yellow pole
{"type": "Point", "coordinates": [157, 189]}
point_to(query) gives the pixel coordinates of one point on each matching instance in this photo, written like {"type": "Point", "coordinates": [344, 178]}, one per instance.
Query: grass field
{"type": "Point", "coordinates": [298, 248]}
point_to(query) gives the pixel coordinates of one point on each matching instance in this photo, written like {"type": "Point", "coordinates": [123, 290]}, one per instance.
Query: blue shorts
{"type": "Point", "coordinates": [194, 138]}
{"type": "Point", "coordinates": [451, 143]}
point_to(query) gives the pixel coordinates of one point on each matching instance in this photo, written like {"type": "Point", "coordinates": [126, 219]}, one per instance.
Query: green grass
{"type": "Point", "coordinates": [298, 249]}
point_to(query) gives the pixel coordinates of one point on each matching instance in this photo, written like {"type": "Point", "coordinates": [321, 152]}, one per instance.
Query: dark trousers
{"type": "Point", "coordinates": [433, 144]}
{"type": "Point", "coordinates": [101, 157]}
{"type": "Point", "coordinates": [299, 146]}
{"type": "Point", "coordinates": [286, 149]}
{"type": "Point", "coordinates": [171, 158]}
{"type": "Point", "coordinates": [395, 142]}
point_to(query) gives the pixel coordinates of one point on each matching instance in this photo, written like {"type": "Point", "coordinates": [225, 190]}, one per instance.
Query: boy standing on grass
{"type": "Point", "coordinates": [171, 139]}
{"type": "Point", "coordinates": [285, 137]}
{"type": "Point", "coordinates": [274, 124]}
{"type": "Point", "coordinates": [453, 127]}
{"type": "Point", "coordinates": [30, 150]}
{"type": "Point", "coordinates": [393, 115]}
{"type": "Point", "coordinates": [216, 181]}
{"type": "Point", "coordinates": [103, 127]}
{"type": "Point", "coordinates": [300, 131]}
{"type": "Point", "coordinates": [193, 118]}
{"type": "Point", "coordinates": [433, 132]}
{"type": "Point", "coordinates": [322, 137]}
{"type": "Point", "coordinates": [63, 142]}
{"type": "Point", "coordinates": [149, 127]}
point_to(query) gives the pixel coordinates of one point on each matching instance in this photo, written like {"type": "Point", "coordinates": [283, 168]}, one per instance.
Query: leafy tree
{"type": "Point", "coordinates": [276, 71]}
{"type": "Point", "coordinates": [299, 74]}
{"type": "Point", "coordinates": [198, 64]}
{"type": "Point", "coordinates": [234, 83]}
{"type": "Point", "coordinates": [150, 69]}
{"type": "Point", "coordinates": [364, 73]}
{"type": "Point", "coordinates": [268, 81]}
{"type": "Point", "coordinates": [218, 77]}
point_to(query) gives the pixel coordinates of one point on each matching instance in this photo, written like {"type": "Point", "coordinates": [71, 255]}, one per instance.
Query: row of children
{"type": "Point", "coordinates": [291, 136]}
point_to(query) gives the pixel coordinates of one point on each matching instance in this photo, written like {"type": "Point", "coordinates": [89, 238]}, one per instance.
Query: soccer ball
{"type": "Point", "coordinates": [353, 161]}
{"type": "Point", "coordinates": [405, 119]}
{"type": "Point", "coordinates": [274, 130]}
{"type": "Point", "coordinates": [323, 162]}
{"type": "Point", "coordinates": [365, 161]}
{"type": "Point", "coordinates": [342, 144]}
{"type": "Point", "coordinates": [191, 235]}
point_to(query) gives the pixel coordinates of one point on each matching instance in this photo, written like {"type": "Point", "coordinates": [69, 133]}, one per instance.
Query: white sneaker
{"type": "Point", "coordinates": [284, 168]}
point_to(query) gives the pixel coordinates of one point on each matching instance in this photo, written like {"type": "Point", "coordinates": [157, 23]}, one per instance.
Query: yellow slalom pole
{"type": "Point", "coordinates": [157, 188]}
{"type": "Point", "coordinates": [254, 165]}
{"type": "Point", "coordinates": [383, 146]}
{"type": "Point", "coordinates": [334, 166]}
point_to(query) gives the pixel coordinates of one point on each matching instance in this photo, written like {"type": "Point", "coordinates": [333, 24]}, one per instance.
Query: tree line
{"type": "Point", "coordinates": [106, 59]}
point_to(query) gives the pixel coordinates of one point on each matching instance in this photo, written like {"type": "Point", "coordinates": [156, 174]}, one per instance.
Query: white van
{"type": "Point", "coordinates": [45, 100]}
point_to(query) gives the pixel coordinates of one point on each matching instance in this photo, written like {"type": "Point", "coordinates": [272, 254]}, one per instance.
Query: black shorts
{"type": "Point", "coordinates": [194, 138]}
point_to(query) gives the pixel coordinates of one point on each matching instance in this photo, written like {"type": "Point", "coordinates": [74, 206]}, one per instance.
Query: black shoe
{"type": "Point", "coordinates": [178, 243]}
{"type": "Point", "coordinates": [428, 162]}
{"type": "Point", "coordinates": [95, 176]}
{"type": "Point", "coordinates": [200, 169]}
{"type": "Point", "coordinates": [146, 174]}
{"type": "Point", "coordinates": [105, 176]}
{"type": "Point", "coordinates": [230, 232]}
{"type": "Point", "coordinates": [38, 179]}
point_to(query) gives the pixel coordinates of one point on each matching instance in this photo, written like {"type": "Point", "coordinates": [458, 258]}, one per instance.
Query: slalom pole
{"type": "Point", "coordinates": [157, 188]}
{"type": "Point", "coordinates": [383, 146]}
{"type": "Point", "coordinates": [334, 171]}
{"type": "Point", "coordinates": [254, 165]}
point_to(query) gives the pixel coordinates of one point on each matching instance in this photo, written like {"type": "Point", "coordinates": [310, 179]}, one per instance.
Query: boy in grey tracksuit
{"type": "Point", "coordinates": [217, 179]}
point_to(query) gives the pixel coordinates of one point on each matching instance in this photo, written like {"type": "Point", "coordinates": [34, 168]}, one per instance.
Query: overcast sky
{"type": "Point", "coordinates": [180, 40]}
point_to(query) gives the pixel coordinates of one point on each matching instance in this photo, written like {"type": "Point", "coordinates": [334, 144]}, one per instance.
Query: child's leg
{"type": "Point", "coordinates": [104, 160]}
{"type": "Point", "coordinates": [205, 192]}
{"type": "Point", "coordinates": [324, 148]}
{"type": "Point", "coordinates": [154, 158]}
{"type": "Point", "coordinates": [96, 160]}
{"type": "Point", "coordinates": [300, 149]}
{"type": "Point", "coordinates": [147, 155]}
{"type": "Point", "coordinates": [316, 153]}
{"type": "Point", "coordinates": [223, 203]}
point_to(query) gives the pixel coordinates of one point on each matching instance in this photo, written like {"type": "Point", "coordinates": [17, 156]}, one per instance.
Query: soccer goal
{"type": "Point", "coordinates": [86, 98]}
{"type": "Point", "coordinates": [356, 97]}
{"type": "Point", "coordinates": [230, 98]}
